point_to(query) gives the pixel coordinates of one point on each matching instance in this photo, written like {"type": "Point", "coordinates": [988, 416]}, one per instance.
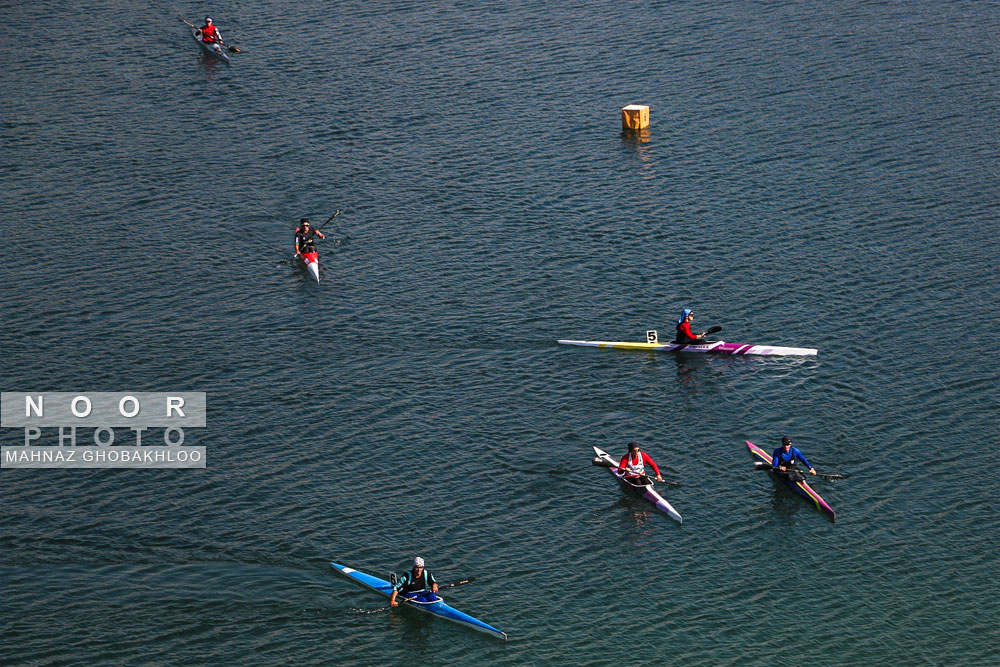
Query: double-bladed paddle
{"type": "Point", "coordinates": [460, 582]}
{"type": "Point", "coordinates": [598, 461]}
{"type": "Point", "coordinates": [760, 465]}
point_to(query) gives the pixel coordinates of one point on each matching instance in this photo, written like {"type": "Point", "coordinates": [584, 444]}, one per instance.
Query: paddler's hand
{"type": "Point", "coordinates": [812, 471]}
{"type": "Point", "coordinates": [393, 603]}
{"type": "Point", "coordinates": [659, 479]}
{"type": "Point", "coordinates": [781, 468]}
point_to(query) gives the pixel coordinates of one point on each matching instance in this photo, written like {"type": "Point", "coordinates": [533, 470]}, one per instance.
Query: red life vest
{"type": "Point", "coordinates": [208, 33]}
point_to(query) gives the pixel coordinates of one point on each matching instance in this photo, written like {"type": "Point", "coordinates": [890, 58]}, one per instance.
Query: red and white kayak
{"type": "Point", "coordinates": [310, 260]}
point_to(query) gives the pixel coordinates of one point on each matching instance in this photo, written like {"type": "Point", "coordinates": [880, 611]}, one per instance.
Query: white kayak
{"type": "Point", "coordinates": [716, 347]}
{"type": "Point", "coordinates": [647, 492]}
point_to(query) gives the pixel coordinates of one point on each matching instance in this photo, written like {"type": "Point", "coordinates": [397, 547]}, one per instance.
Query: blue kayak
{"type": "Point", "coordinates": [437, 607]}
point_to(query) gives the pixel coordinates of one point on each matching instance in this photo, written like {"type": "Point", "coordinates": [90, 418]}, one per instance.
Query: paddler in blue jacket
{"type": "Point", "coordinates": [417, 579]}
{"type": "Point", "coordinates": [784, 457]}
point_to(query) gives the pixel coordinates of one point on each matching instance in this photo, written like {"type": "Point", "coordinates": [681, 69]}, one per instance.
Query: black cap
{"type": "Point", "coordinates": [303, 220]}
{"type": "Point", "coordinates": [633, 445]}
{"type": "Point", "coordinates": [785, 440]}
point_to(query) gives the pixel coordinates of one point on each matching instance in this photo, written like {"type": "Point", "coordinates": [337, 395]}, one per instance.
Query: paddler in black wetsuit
{"type": "Point", "coordinates": [684, 335]}
{"type": "Point", "coordinates": [417, 579]}
{"type": "Point", "coordinates": [304, 237]}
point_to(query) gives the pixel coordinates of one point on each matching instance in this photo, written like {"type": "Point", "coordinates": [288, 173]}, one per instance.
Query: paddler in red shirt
{"type": "Point", "coordinates": [209, 33]}
{"type": "Point", "coordinates": [634, 463]}
{"type": "Point", "coordinates": [684, 335]}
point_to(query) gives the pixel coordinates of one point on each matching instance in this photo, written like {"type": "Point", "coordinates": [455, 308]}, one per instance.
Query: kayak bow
{"type": "Point", "coordinates": [800, 488]}
{"type": "Point", "coordinates": [437, 608]}
{"type": "Point", "coordinates": [310, 260]}
{"type": "Point", "coordinates": [718, 347]}
{"type": "Point", "coordinates": [646, 492]}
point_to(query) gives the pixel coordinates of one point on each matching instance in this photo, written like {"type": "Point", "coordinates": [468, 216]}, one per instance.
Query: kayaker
{"type": "Point", "coordinates": [209, 33]}
{"type": "Point", "coordinates": [784, 458]}
{"type": "Point", "coordinates": [304, 237]}
{"type": "Point", "coordinates": [417, 579]}
{"type": "Point", "coordinates": [634, 463]}
{"type": "Point", "coordinates": [684, 335]}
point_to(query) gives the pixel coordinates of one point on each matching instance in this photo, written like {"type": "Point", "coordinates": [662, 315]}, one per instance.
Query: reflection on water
{"type": "Point", "coordinates": [413, 626]}
{"type": "Point", "coordinates": [787, 504]}
{"type": "Point", "coordinates": [638, 142]}
{"type": "Point", "coordinates": [635, 138]}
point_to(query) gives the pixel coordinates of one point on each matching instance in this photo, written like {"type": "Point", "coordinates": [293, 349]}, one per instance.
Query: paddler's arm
{"type": "Point", "coordinates": [434, 584]}
{"type": "Point", "coordinates": [398, 587]}
{"type": "Point", "coordinates": [621, 464]}
{"type": "Point", "coordinates": [652, 463]}
{"type": "Point", "coordinates": [812, 471]}
{"type": "Point", "coordinates": [320, 234]}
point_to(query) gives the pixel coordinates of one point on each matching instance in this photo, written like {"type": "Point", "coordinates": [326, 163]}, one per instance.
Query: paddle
{"type": "Point", "coordinates": [712, 330]}
{"type": "Point", "coordinates": [601, 462]}
{"type": "Point", "coordinates": [452, 584]}
{"type": "Point", "coordinates": [335, 214]}
{"type": "Point", "coordinates": [760, 465]}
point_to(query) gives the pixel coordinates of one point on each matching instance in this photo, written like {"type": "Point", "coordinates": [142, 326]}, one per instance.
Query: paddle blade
{"type": "Point", "coordinates": [460, 582]}
{"type": "Point", "coordinates": [598, 461]}
{"type": "Point", "coordinates": [713, 330]}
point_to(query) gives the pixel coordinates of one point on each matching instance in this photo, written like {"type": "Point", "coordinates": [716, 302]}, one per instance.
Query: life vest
{"type": "Point", "coordinates": [208, 33]}
{"type": "Point", "coordinates": [790, 462]}
{"type": "Point", "coordinates": [304, 240]}
{"type": "Point", "coordinates": [409, 585]}
{"type": "Point", "coordinates": [636, 468]}
{"type": "Point", "coordinates": [684, 334]}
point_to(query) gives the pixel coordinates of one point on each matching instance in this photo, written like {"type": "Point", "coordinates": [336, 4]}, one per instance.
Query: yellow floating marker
{"type": "Point", "coordinates": [635, 117]}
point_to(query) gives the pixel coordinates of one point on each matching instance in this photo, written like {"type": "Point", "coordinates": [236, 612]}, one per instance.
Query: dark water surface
{"type": "Point", "coordinates": [815, 176]}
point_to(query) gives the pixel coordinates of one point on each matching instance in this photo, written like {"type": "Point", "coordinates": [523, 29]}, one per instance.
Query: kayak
{"type": "Point", "coordinates": [716, 347]}
{"type": "Point", "coordinates": [310, 260]}
{"type": "Point", "coordinates": [800, 488]}
{"type": "Point", "coordinates": [647, 492]}
{"type": "Point", "coordinates": [436, 608]}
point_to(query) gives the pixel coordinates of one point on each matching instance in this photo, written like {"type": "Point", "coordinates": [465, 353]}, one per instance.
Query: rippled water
{"type": "Point", "coordinates": [814, 176]}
